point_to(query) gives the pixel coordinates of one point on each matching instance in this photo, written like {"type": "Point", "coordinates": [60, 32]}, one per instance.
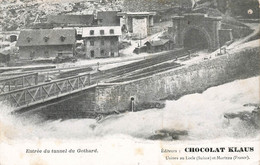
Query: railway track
{"type": "Point", "coordinates": [151, 65]}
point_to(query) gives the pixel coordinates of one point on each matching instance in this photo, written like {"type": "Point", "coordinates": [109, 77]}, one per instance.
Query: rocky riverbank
{"type": "Point", "coordinates": [251, 118]}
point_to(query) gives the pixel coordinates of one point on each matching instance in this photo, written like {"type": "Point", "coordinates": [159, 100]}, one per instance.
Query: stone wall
{"type": "Point", "coordinates": [177, 82]}
{"type": "Point", "coordinates": [140, 26]}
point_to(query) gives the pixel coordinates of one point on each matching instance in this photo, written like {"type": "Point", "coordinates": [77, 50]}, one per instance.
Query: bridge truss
{"type": "Point", "coordinates": [39, 93]}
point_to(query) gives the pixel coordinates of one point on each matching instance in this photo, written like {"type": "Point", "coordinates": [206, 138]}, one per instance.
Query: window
{"type": "Point", "coordinates": [46, 53]}
{"type": "Point", "coordinates": [102, 52]}
{"type": "Point", "coordinates": [112, 54]}
{"type": "Point", "coordinates": [111, 31]}
{"type": "Point", "coordinates": [59, 53]}
{"type": "Point", "coordinates": [91, 32]}
{"type": "Point", "coordinates": [102, 42]}
{"type": "Point", "coordinates": [92, 53]}
{"type": "Point", "coordinates": [32, 54]}
{"type": "Point", "coordinates": [92, 43]}
{"type": "Point", "coordinates": [102, 32]}
{"type": "Point", "coordinates": [112, 42]}
{"type": "Point", "coordinates": [29, 39]}
{"type": "Point", "coordinates": [62, 38]}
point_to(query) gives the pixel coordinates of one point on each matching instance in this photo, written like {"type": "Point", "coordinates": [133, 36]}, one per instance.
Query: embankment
{"type": "Point", "coordinates": [238, 64]}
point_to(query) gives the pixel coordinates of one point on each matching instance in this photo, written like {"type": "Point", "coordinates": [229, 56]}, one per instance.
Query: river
{"type": "Point", "coordinates": [124, 139]}
{"type": "Point", "coordinates": [201, 115]}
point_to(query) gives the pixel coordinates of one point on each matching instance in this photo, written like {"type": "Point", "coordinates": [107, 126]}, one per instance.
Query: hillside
{"type": "Point", "coordinates": [22, 14]}
{"type": "Point", "coordinates": [17, 14]}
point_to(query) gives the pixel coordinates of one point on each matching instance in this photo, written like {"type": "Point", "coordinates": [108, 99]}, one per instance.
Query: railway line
{"type": "Point", "coordinates": [150, 65]}
{"type": "Point", "coordinates": [39, 93]}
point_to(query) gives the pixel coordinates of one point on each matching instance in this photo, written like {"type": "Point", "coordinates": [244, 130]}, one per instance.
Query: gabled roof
{"type": "Point", "coordinates": [46, 37]}
{"type": "Point", "coordinates": [158, 42]}
{"type": "Point", "coordinates": [71, 19]}
{"type": "Point", "coordinates": [96, 31]}
{"type": "Point", "coordinates": [136, 13]}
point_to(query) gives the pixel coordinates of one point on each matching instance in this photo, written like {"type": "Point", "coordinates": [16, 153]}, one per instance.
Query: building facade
{"type": "Point", "coordinates": [45, 43]}
{"type": "Point", "coordinates": [101, 42]}
{"type": "Point", "coordinates": [159, 45]}
{"type": "Point", "coordinates": [136, 23]}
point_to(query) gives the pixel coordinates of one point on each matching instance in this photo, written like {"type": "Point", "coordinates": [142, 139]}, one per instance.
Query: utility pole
{"type": "Point", "coordinates": [140, 39]}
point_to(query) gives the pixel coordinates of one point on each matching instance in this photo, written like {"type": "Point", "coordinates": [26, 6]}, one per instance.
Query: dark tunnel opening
{"type": "Point", "coordinates": [195, 39]}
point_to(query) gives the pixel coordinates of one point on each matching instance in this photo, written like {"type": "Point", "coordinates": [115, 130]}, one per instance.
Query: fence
{"type": "Point", "coordinates": [14, 83]}
{"type": "Point", "coordinates": [39, 93]}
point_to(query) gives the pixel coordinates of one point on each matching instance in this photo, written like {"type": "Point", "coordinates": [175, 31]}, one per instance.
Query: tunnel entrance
{"type": "Point", "coordinates": [195, 39]}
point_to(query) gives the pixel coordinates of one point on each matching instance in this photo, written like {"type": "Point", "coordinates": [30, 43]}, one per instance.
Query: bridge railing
{"type": "Point", "coordinates": [17, 82]}
{"type": "Point", "coordinates": [39, 93]}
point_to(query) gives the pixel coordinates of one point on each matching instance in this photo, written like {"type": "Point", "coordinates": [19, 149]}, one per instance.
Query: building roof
{"type": "Point", "coordinates": [136, 13]}
{"type": "Point", "coordinates": [96, 31]}
{"type": "Point", "coordinates": [46, 37]}
{"type": "Point", "coordinates": [109, 18]}
{"type": "Point", "coordinates": [71, 19]}
{"type": "Point", "coordinates": [158, 42]}
{"type": "Point", "coordinates": [193, 16]}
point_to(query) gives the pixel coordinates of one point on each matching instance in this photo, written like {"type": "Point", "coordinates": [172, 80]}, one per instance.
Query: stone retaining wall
{"type": "Point", "coordinates": [177, 82]}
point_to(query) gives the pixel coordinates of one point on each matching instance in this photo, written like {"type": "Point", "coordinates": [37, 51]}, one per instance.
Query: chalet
{"type": "Point", "coordinates": [102, 41]}
{"type": "Point", "coordinates": [45, 43]}
{"type": "Point", "coordinates": [136, 23]}
{"type": "Point", "coordinates": [159, 45]}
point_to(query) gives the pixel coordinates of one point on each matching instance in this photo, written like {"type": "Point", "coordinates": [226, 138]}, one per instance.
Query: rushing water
{"type": "Point", "coordinates": [201, 115]}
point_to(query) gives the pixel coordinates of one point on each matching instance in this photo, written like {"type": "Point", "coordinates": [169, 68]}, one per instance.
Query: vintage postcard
{"type": "Point", "coordinates": [129, 82]}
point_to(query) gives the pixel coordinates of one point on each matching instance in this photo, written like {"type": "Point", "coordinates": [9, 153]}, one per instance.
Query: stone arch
{"type": "Point", "coordinates": [204, 25]}
{"type": "Point", "coordinates": [200, 29]}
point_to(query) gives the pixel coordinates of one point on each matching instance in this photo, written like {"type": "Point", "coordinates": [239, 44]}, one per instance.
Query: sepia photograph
{"type": "Point", "coordinates": [129, 82]}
